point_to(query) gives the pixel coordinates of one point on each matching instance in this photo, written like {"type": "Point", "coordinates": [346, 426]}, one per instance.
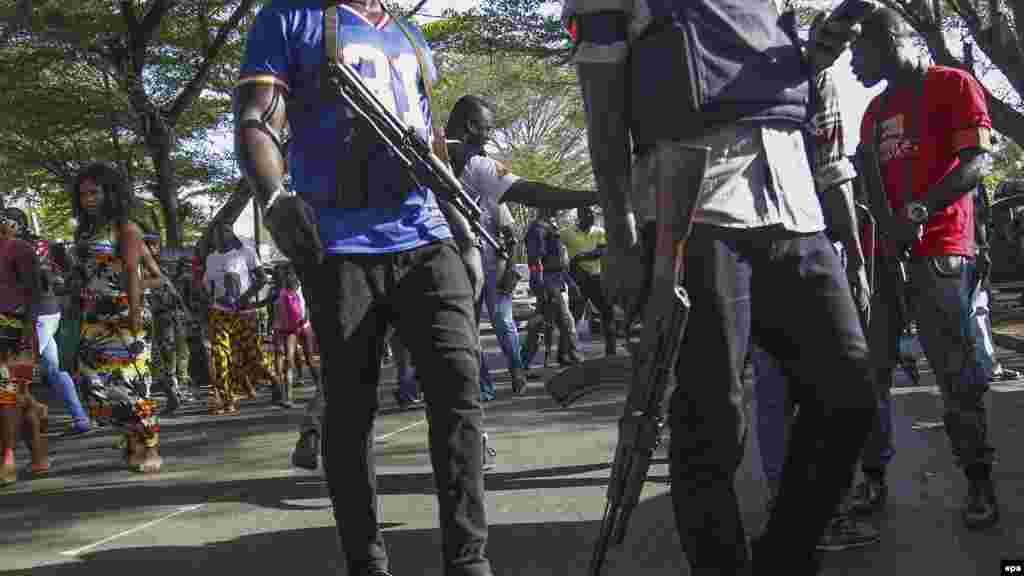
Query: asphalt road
{"type": "Point", "coordinates": [228, 502]}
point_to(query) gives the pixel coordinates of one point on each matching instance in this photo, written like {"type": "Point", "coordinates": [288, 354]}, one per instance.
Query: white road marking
{"type": "Point", "coordinates": [383, 437]}
{"type": "Point", "coordinates": [1008, 387]}
{"type": "Point", "coordinates": [183, 510]}
{"type": "Point", "coordinates": [138, 528]}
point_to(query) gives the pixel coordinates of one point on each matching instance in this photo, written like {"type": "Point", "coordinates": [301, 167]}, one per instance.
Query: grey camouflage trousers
{"type": "Point", "coordinates": [170, 358]}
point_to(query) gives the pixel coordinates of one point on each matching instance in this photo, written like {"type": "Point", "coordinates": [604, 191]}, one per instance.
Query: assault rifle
{"type": "Point", "coordinates": [415, 154]}
{"type": "Point", "coordinates": [678, 176]}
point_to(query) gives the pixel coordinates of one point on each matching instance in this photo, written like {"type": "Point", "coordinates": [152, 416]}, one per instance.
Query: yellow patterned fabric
{"type": "Point", "coordinates": [117, 350]}
{"type": "Point", "coordinates": [112, 358]}
{"type": "Point", "coordinates": [223, 386]}
{"type": "Point", "coordinates": [8, 388]}
{"type": "Point", "coordinates": [237, 353]}
{"type": "Point", "coordinates": [18, 369]}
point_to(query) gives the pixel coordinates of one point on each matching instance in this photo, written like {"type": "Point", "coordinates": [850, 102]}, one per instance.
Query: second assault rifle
{"type": "Point", "coordinates": [677, 180]}
{"type": "Point", "coordinates": [415, 153]}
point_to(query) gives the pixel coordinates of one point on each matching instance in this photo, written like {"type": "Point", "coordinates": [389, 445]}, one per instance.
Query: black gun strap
{"type": "Point", "coordinates": [911, 133]}
{"type": "Point", "coordinates": [352, 187]}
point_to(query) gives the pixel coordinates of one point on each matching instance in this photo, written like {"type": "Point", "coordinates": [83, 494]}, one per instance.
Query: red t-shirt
{"type": "Point", "coordinates": [951, 116]}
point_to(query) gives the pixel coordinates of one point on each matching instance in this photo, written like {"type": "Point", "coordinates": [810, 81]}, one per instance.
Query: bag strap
{"type": "Point", "coordinates": [356, 178]}
{"type": "Point", "coordinates": [421, 59]}
{"type": "Point", "coordinates": [351, 178]}
{"type": "Point", "coordinates": [912, 133]}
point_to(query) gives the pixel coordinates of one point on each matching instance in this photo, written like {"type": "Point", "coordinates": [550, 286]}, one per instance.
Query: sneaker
{"type": "Point", "coordinates": [490, 454]}
{"type": "Point", "coordinates": [307, 452]}
{"type": "Point", "coordinates": [79, 430]}
{"type": "Point", "coordinates": [570, 359]}
{"type": "Point", "coordinates": [844, 533]}
{"type": "Point", "coordinates": [1006, 375]}
{"type": "Point", "coordinates": [173, 402]}
{"type": "Point", "coordinates": [868, 497]}
{"type": "Point", "coordinates": [519, 384]}
{"type": "Point", "coordinates": [981, 510]}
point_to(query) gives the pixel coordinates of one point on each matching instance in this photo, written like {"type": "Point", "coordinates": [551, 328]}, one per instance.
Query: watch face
{"type": "Point", "coordinates": [917, 212]}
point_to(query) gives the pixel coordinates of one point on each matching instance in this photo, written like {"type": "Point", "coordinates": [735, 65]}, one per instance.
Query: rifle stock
{"type": "Point", "coordinates": [680, 174]}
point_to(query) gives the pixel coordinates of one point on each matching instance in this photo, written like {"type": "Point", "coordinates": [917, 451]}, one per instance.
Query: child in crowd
{"type": "Point", "coordinates": [30, 415]}
{"type": "Point", "coordinates": [292, 327]}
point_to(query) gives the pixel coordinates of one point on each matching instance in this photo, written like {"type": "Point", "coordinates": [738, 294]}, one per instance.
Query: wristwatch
{"type": "Point", "coordinates": [917, 212]}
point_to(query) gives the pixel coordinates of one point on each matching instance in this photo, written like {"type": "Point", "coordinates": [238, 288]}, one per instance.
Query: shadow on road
{"type": "Point", "coordinates": [64, 507]}
{"type": "Point", "coordinates": [534, 549]}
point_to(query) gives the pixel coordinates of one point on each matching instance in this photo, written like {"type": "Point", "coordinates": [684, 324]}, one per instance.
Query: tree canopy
{"type": "Point", "coordinates": [142, 84]}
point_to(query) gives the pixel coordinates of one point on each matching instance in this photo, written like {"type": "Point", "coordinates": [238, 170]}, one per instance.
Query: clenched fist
{"type": "Point", "coordinates": [292, 224]}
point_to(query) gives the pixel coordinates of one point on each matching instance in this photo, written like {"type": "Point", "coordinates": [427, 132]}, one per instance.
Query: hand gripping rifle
{"type": "Point", "coordinates": [415, 154]}
{"type": "Point", "coordinates": [680, 171]}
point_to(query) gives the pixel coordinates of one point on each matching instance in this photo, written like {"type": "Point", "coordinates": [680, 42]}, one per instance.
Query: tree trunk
{"type": "Point", "coordinates": [160, 143]}
{"type": "Point", "coordinates": [1004, 54]}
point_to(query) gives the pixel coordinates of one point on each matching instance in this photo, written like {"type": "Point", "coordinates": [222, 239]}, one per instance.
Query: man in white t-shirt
{"type": "Point", "coordinates": [468, 131]}
{"type": "Point", "coordinates": [234, 331]}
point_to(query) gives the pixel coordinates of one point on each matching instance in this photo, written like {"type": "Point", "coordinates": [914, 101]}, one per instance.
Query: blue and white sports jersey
{"type": "Point", "coordinates": [285, 47]}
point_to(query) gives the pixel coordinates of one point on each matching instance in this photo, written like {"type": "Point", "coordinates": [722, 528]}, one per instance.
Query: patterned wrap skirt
{"type": "Point", "coordinates": [114, 365]}
{"type": "Point", "coordinates": [19, 367]}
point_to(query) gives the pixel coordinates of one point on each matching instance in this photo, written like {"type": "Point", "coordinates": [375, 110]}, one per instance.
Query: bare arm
{"type": "Point", "coordinates": [960, 181]}
{"type": "Point", "coordinates": [540, 195]}
{"type": "Point", "coordinates": [154, 276]}
{"type": "Point", "coordinates": [132, 250]}
{"type": "Point", "coordinates": [604, 87]}
{"type": "Point", "coordinates": [260, 117]}
{"type": "Point", "coordinates": [842, 211]}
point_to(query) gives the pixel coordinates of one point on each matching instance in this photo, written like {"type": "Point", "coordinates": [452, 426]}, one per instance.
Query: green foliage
{"type": "Point", "coordinates": [540, 133]}
{"type": "Point", "coordinates": [142, 85]}
{"type": "Point", "coordinates": [1007, 164]}
{"type": "Point", "coordinates": [503, 27]}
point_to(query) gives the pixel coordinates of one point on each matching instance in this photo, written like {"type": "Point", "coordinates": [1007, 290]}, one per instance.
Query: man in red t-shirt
{"type": "Point", "coordinates": [925, 139]}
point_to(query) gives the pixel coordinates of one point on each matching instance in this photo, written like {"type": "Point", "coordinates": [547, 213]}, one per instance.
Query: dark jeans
{"type": "Point", "coordinates": [590, 286]}
{"type": "Point", "coordinates": [789, 293]}
{"type": "Point", "coordinates": [941, 300]}
{"type": "Point", "coordinates": [425, 294]}
{"type": "Point", "coordinates": [887, 321]}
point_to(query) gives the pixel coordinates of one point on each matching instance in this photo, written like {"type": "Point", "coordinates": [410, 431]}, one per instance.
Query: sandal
{"type": "Point", "coordinates": [35, 470]}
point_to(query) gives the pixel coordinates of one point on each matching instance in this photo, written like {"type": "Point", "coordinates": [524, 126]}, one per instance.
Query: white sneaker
{"type": "Point", "coordinates": [490, 454]}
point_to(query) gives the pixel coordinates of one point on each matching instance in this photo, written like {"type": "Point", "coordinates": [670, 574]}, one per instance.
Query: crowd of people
{"type": "Point", "coordinates": [794, 257]}
{"type": "Point", "coordinates": [127, 330]}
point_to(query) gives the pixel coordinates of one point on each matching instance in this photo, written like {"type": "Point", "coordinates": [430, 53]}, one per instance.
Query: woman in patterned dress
{"type": "Point", "coordinates": [113, 356]}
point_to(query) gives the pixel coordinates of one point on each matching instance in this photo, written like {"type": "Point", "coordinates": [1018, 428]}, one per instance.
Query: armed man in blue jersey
{"type": "Point", "coordinates": [374, 248]}
{"type": "Point", "coordinates": [673, 77]}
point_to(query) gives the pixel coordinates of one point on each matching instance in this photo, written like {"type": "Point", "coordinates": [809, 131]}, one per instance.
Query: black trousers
{"type": "Point", "coordinates": [789, 293]}
{"type": "Point", "coordinates": [590, 286]}
{"type": "Point", "coordinates": [426, 296]}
